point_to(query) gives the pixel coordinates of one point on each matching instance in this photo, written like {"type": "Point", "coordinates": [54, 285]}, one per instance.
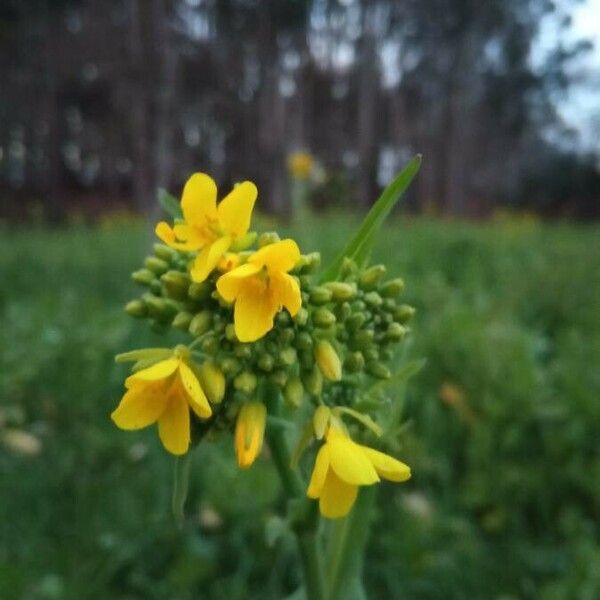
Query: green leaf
{"type": "Point", "coordinates": [169, 204]}
{"type": "Point", "coordinates": [359, 247]}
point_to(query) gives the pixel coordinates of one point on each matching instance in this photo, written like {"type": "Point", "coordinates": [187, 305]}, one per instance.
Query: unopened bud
{"type": "Point", "coordinates": [249, 432]}
{"type": "Point", "coordinates": [245, 382]}
{"type": "Point", "coordinates": [373, 299]}
{"type": "Point", "coordinates": [304, 341]}
{"type": "Point", "coordinates": [136, 308]}
{"type": "Point", "coordinates": [363, 339]}
{"type": "Point", "coordinates": [242, 350]}
{"type": "Point", "coordinates": [267, 238]}
{"type": "Point", "coordinates": [212, 381]}
{"type": "Point", "coordinates": [320, 295]}
{"type": "Point", "coordinates": [313, 382]}
{"type": "Point", "coordinates": [294, 392]}
{"type": "Point", "coordinates": [230, 332]}
{"type": "Point", "coordinates": [143, 276]}
{"type": "Point", "coordinates": [266, 362]}
{"type": "Point", "coordinates": [210, 344]}
{"type": "Point", "coordinates": [341, 290]}
{"type": "Point", "coordinates": [201, 323]}
{"type": "Point", "coordinates": [182, 320]}
{"type": "Point", "coordinates": [279, 377]}
{"type": "Point", "coordinates": [244, 242]}
{"type": "Point", "coordinates": [355, 322]}
{"type": "Point", "coordinates": [160, 308]}
{"type": "Point", "coordinates": [321, 421]}
{"type": "Point", "coordinates": [286, 336]}
{"type": "Point", "coordinates": [156, 265]}
{"type": "Point", "coordinates": [354, 362]}
{"type": "Point", "coordinates": [404, 313]}
{"type": "Point", "coordinates": [301, 317]}
{"type": "Point", "coordinates": [323, 318]}
{"type": "Point", "coordinates": [309, 262]}
{"type": "Point", "coordinates": [164, 252]}
{"type": "Point", "coordinates": [328, 360]}
{"type": "Point", "coordinates": [379, 370]}
{"type": "Point", "coordinates": [288, 357]}
{"type": "Point", "coordinates": [343, 311]}
{"type": "Point", "coordinates": [349, 267]}
{"type": "Point", "coordinates": [176, 284]}
{"type": "Point", "coordinates": [199, 291]}
{"type": "Point", "coordinates": [306, 359]}
{"type": "Point", "coordinates": [370, 277]}
{"type": "Point", "coordinates": [230, 366]}
{"type": "Point", "coordinates": [395, 332]}
{"type": "Point", "coordinates": [392, 288]}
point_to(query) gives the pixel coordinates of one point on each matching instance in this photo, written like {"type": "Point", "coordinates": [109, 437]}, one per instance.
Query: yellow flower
{"type": "Point", "coordinates": [207, 227]}
{"type": "Point", "coordinates": [300, 164]}
{"type": "Point", "coordinates": [249, 432]}
{"type": "Point", "coordinates": [341, 466]}
{"type": "Point", "coordinates": [164, 392]}
{"type": "Point", "coordinates": [261, 287]}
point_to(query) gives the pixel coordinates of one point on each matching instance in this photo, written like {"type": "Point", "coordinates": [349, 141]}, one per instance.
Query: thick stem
{"type": "Point", "coordinates": [180, 485]}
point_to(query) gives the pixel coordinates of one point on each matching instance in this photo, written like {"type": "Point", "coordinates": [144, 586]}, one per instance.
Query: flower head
{"type": "Point", "coordinates": [300, 165]}
{"type": "Point", "coordinates": [341, 466]}
{"type": "Point", "coordinates": [206, 227]}
{"type": "Point", "coordinates": [164, 392]}
{"type": "Point", "coordinates": [249, 432]}
{"type": "Point", "coordinates": [260, 287]}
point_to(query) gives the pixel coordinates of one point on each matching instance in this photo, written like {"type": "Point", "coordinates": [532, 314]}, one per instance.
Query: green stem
{"type": "Point", "coordinates": [180, 486]}
{"type": "Point", "coordinates": [304, 514]}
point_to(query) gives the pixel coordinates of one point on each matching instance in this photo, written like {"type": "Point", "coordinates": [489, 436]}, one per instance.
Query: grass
{"type": "Point", "coordinates": [501, 431]}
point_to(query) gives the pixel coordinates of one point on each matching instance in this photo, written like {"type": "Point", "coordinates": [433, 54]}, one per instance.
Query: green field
{"type": "Point", "coordinates": [501, 430]}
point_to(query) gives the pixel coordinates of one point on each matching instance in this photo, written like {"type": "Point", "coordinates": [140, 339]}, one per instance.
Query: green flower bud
{"type": "Point", "coordinates": [213, 382]}
{"type": "Point", "coordinates": [136, 308]}
{"type": "Point", "coordinates": [230, 332]}
{"type": "Point", "coordinates": [320, 295]}
{"type": "Point", "coordinates": [210, 344]}
{"type": "Point", "coordinates": [201, 323]}
{"type": "Point", "coordinates": [373, 299]}
{"type": "Point", "coordinates": [301, 317]}
{"type": "Point", "coordinates": [321, 419]}
{"type": "Point", "coordinates": [341, 291]}
{"type": "Point", "coordinates": [230, 366]}
{"type": "Point", "coordinates": [349, 267]}
{"type": "Point", "coordinates": [199, 291]}
{"type": "Point", "coordinates": [245, 382]}
{"type": "Point", "coordinates": [304, 341]}
{"type": "Point", "coordinates": [358, 305]}
{"type": "Point", "coordinates": [156, 265]}
{"type": "Point", "coordinates": [379, 370]}
{"type": "Point", "coordinates": [363, 339]}
{"type": "Point", "coordinates": [313, 382]}
{"type": "Point", "coordinates": [160, 308]}
{"type": "Point", "coordinates": [294, 392]}
{"type": "Point", "coordinates": [279, 377]}
{"type": "Point", "coordinates": [286, 336]}
{"type": "Point", "coordinates": [323, 318]}
{"type": "Point", "coordinates": [328, 360]}
{"type": "Point", "coordinates": [266, 362]}
{"type": "Point", "coordinates": [356, 321]}
{"type": "Point", "coordinates": [392, 288]}
{"type": "Point", "coordinates": [369, 278]}
{"type": "Point", "coordinates": [404, 313]}
{"type": "Point", "coordinates": [143, 276]}
{"type": "Point", "coordinates": [282, 318]}
{"type": "Point", "coordinates": [371, 354]}
{"type": "Point", "coordinates": [343, 311]}
{"type": "Point", "coordinates": [354, 362]}
{"type": "Point", "coordinates": [306, 359]}
{"type": "Point", "coordinates": [165, 253]}
{"type": "Point", "coordinates": [243, 350]}
{"type": "Point", "coordinates": [176, 284]}
{"type": "Point", "coordinates": [267, 238]}
{"type": "Point", "coordinates": [244, 242]}
{"type": "Point", "coordinates": [395, 332]}
{"type": "Point", "coordinates": [288, 357]}
{"type": "Point", "coordinates": [309, 263]}
{"type": "Point", "coordinates": [182, 320]}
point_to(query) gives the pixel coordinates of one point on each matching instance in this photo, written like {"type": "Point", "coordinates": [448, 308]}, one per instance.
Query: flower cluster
{"type": "Point", "coordinates": [258, 317]}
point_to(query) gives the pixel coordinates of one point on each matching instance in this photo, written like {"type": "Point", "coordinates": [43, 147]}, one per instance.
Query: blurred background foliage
{"type": "Point", "coordinates": [103, 102]}
{"type": "Point", "coordinates": [501, 428]}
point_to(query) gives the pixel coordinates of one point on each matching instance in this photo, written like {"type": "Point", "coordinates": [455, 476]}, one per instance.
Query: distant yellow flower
{"type": "Point", "coordinates": [249, 432]}
{"type": "Point", "coordinates": [260, 288]}
{"type": "Point", "coordinates": [341, 466]}
{"type": "Point", "coordinates": [301, 164]}
{"type": "Point", "coordinates": [207, 227]}
{"type": "Point", "coordinates": [164, 392]}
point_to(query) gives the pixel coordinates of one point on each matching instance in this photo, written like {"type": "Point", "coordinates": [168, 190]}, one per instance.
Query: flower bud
{"type": "Point", "coordinates": [320, 295]}
{"type": "Point", "coordinates": [363, 339]}
{"type": "Point", "coordinates": [176, 284]}
{"type": "Point", "coordinates": [392, 288]}
{"type": "Point", "coordinates": [136, 308]}
{"type": "Point", "coordinates": [341, 291]}
{"type": "Point", "coordinates": [356, 321]}
{"type": "Point", "coordinates": [160, 308]}
{"type": "Point", "coordinates": [323, 318]}
{"type": "Point", "coordinates": [306, 359]}
{"type": "Point", "coordinates": [249, 432]}
{"type": "Point", "coordinates": [294, 392]}
{"type": "Point", "coordinates": [230, 366]}
{"type": "Point", "coordinates": [304, 341]}
{"type": "Point", "coordinates": [371, 354]}
{"type": "Point", "coordinates": [164, 253]}
{"type": "Point", "coordinates": [395, 332]}
{"type": "Point", "coordinates": [378, 369]}
{"type": "Point", "coordinates": [201, 323]}
{"type": "Point", "coordinates": [210, 344]}
{"type": "Point", "coordinates": [313, 382]}
{"type": "Point", "coordinates": [354, 362]}
{"type": "Point", "coordinates": [404, 313]}
{"type": "Point", "coordinates": [212, 381]}
{"type": "Point", "coordinates": [156, 265]}
{"type": "Point", "coordinates": [288, 357]}
{"type": "Point", "coordinates": [309, 262]}
{"type": "Point", "coordinates": [349, 267]}
{"type": "Point", "coordinates": [230, 332]}
{"type": "Point", "coordinates": [279, 377]}
{"type": "Point", "coordinates": [373, 299]}
{"type": "Point", "coordinates": [143, 276]}
{"type": "Point", "coordinates": [328, 360]}
{"type": "Point", "coordinates": [242, 350]}
{"type": "Point", "coordinates": [343, 311]}
{"type": "Point", "coordinates": [244, 242]}
{"type": "Point", "coordinates": [245, 382]}
{"type": "Point", "coordinates": [321, 418]}
{"type": "Point", "coordinates": [286, 336]}
{"type": "Point", "coordinates": [182, 320]}
{"type": "Point", "coordinates": [266, 362]}
{"type": "Point", "coordinates": [301, 317]}
{"type": "Point", "coordinates": [267, 238]}
{"type": "Point", "coordinates": [369, 278]}
{"type": "Point", "coordinates": [199, 291]}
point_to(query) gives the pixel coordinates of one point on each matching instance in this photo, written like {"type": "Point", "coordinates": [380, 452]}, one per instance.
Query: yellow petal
{"type": "Point", "coordinates": [199, 199]}
{"type": "Point", "coordinates": [208, 259]}
{"type": "Point", "coordinates": [192, 236]}
{"type": "Point", "coordinates": [249, 432]}
{"type": "Point", "coordinates": [235, 210]}
{"type": "Point", "coordinates": [254, 311]}
{"type": "Point", "coordinates": [349, 461]}
{"type": "Point", "coordinates": [140, 407]}
{"type": "Point", "coordinates": [160, 370]}
{"type": "Point", "coordinates": [319, 474]}
{"type": "Point", "coordinates": [280, 256]}
{"type": "Point", "coordinates": [229, 284]}
{"type": "Point", "coordinates": [286, 291]}
{"type": "Point", "coordinates": [174, 425]}
{"type": "Point", "coordinates": [196, 397]}
{"type": "Point", "coordinates": [387, 466]}
{"type": "Point", "coordinates": [337, 497]}
{"type": "Point", "coordinates": [165, 233]}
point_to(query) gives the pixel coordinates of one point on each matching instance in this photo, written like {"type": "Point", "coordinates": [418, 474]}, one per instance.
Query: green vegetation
{"type": "Point", "coordinates": [501, 428]}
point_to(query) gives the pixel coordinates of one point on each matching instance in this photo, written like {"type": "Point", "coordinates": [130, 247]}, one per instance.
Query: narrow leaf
{"type": "Point", "coordinates": [169, 204]}
{"type": "Point", "coordinates": [360, 245]}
